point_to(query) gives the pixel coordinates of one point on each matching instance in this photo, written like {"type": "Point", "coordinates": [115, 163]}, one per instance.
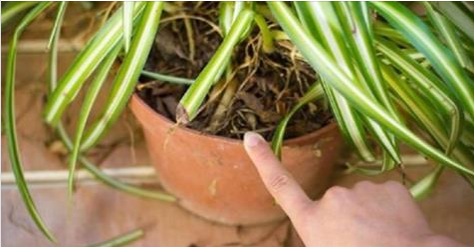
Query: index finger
{"type": "Point", "coordinates": [279, 182]}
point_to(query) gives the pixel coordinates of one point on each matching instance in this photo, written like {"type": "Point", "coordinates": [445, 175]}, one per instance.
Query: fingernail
{"type": "Point", "coordinates": [251, 139]}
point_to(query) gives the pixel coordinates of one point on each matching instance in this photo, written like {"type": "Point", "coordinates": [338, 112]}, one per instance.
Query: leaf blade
{"type": "Point", "coordinates": [430, 85]}
{"type": "Point", "coordinates": [83, 66]}
{"type": "Point", "coordinates": [84, 113]}
{"type": "Point", "coordinates": [325, 65]}
{"type": "Point", "coordinates": [13, 9]}
{"type": "Point", "coordinates": [127, 20]}
{"type": "Point", "coordinates": [442, 59]}
{"type": "Point", "coordinates": [128, 74]}
{"type": "Point", "coordinates": [10, 128]}
{"type": "Point", "coordinates": [449, 34]}
{"type": "Point", "coordinates": [122, 240]}
{"type": "Point", "coordinates": [314, 93]}
{"type": "Point", "coordinates": [459, 15]}
{"type": "Point", "coordinates": [194, 96]}
{"type": "Point", "coordinates": [323, 17]}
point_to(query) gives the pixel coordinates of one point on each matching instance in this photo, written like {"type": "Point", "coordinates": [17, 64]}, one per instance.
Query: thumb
{"type": "Point", "coordinates": [276, 178]}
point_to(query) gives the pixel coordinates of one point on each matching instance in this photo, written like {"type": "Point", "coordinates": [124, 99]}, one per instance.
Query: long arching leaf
{"type": "Point", "coordinates": [459, 14]}
{"type": "Point", "coordinates": [451, 37]}
{"type": "Point", "coordinates": [84, 65]}
{"type": "Point", "coordinates": [128, 74]}
{"type": "Point", "coordinates": [109, 180]}
{"type": "Point", "coordinates": [361, 40]}
{"type": "Point", "coordinates": [348, 119]}
{"type": "Point", "coordinates": [88, 103]}
{"type": "Point", "coordinates": [424, 187]}
{"type": "Point", "coordinates": [442, 59]}
{"type": "Point", "coordinates": [52, 46]}
{"type": "Point", "coordinates": [89, 166]}
{"type": "Point", "coordinates": [426, 116]}
{"type": "Point", "coordinates": [430, 85]}
{"type": "Point", "coordinates": [327, 67]}
{"type": "Point", "coordinates": [328, 30]}
{"type": "Point", "coordinates": [13, 9]}
{"type": "Point", "coordinates": [427, 119]}
{"type": "Point", "coordinates": [121, 240]}
{"type": "Point", "coordinates": [314, 93]}
{"type": "Point", "coordinates": [10, 128]}
{"type": "Point", "coordinates": [358, 32]}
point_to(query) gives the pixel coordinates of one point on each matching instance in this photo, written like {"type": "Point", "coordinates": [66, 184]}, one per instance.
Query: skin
{"type": "Point", "coordinates": [367, 215]}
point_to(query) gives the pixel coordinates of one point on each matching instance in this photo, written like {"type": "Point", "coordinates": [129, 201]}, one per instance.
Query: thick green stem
{"type": "Point", "coordinates": [192, 100]}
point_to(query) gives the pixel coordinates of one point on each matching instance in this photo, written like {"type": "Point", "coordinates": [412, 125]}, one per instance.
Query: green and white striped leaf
{"type": "Point", "coordinates": [88, 103]}
{"type": "Point", "coordinates": [325, 65]}
{"type": "Point", "coordinates": [358, 33]}
{"type": "Point", "coordinates": [195, 95]}
{"type": "Point", "coordinates": [349, 122]}
{"type": "Point", "coordinates": [459, 14]}
{"type": "Point", "coordinates": [10, 125]}
{"type": "Point", "coordinates": [226, 14]}
{"type": "Point", "coordinates": [427, 120]}
{"type": "Point", "coordinates": [12, 10]}
{"type": "Point", "coordinates": [452, 39]}
{"type": "Point", "coordinates": [111, 181]}
{"type": "Point", "coordinates": [314, 93]}
{"type": "Point", "coordinates": [122, 240]}
{"type": "Point", "coordinates": [357, 28]}
{"type": "Point", "coordinates": [128, 74]}
{"type": "Point", "coordinates": [425, 114]}
{"type": "Point", "coordinates": [384, 30]}
{"type": "Point", "coordinates": [127, 20]}
{"type": "Point", "coordinates": [328, 30]}
{"type": "Point", "coordinates": [89, 166]}
{"type": "Point", "coordinates": [430, 85]}
{"type": "Point", "coordinates": [426, 185]}
{"type": "Point", "coordinates": [52, 46]}
{"type": "Point", "coordinates": [442, 59]}
{"type": "Point", "coordinates": [84, 65]}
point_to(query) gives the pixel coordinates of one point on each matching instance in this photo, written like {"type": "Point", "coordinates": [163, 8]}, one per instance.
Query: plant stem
{"type": "Point", "coordinates": [266, 34]}
{"type": "Point", "coordinates": [195, 95]}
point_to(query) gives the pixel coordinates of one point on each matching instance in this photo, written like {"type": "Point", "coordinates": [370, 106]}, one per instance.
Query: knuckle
{"type": "Point", "coordinates": [278, 182]}
{"type": "Point", "coordinates": [335, 192]}
{"type": "Point", "coordinates": [335, 198]}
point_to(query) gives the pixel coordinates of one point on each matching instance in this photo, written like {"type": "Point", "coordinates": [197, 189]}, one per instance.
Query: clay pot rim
{"type": "Point", "coordinates": [309, 137]}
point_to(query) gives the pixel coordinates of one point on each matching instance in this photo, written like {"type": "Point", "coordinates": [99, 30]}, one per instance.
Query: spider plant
{"type": "Point", "coordinates": [381, 67]}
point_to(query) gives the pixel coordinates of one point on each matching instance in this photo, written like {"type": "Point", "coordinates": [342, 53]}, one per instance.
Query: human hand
{"type": "Point", "coordinates": [367, 215]}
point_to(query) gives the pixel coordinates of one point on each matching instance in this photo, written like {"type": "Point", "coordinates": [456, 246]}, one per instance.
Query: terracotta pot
{"type": "Point", "coordinates": [213, 177]}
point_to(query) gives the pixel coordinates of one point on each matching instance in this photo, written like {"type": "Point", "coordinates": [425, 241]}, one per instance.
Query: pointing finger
{"type": "Point", "coordinates": [276, 178]}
